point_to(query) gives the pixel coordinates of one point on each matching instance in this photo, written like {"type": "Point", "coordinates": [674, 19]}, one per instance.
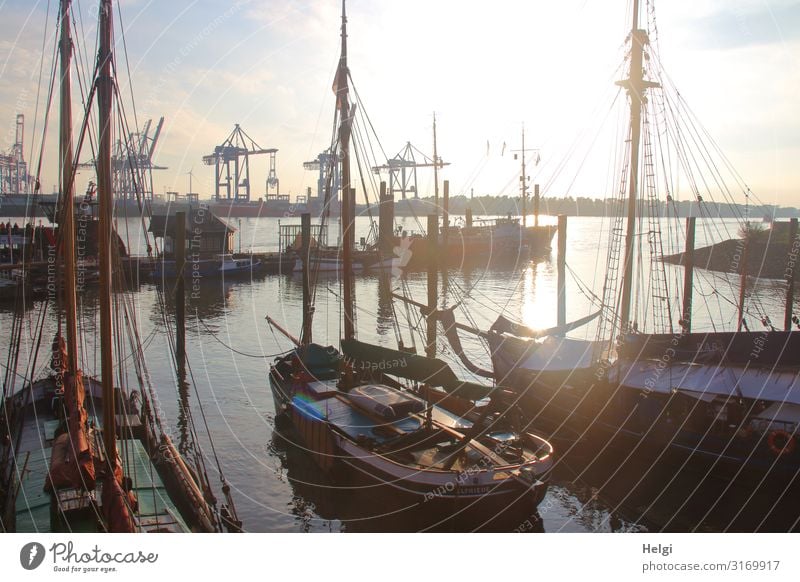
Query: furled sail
{"type": "Point", "coordinates": [451, 333]}
{"type": "Point", "coordinates": [505, 325]}
{"type": "Point", "coordinates": [431, 371]}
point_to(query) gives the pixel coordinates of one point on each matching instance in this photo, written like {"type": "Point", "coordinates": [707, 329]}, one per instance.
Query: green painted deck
{"type": "Point", "coordinates": [157, 512]}
{"type": "Point", "coordinates": [156, 509]}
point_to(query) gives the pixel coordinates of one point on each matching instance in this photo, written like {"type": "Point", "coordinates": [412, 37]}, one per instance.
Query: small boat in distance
{"type": "Point", "coordinates": [230, 266]}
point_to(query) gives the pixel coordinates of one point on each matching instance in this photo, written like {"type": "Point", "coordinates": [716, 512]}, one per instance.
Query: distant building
{"type": "Point", "coordinates": [206, 233]}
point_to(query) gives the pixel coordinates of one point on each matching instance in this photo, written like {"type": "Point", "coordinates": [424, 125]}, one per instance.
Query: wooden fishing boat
{"type": "Point", "coordinates": [349, 416]}
{"type": "Point", "coordinates": [83, 454]}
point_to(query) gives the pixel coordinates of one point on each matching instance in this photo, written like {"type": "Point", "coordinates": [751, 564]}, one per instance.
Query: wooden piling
{"type": "Point", "coordinates": [743, 278]}
{"type": "Point", "coordinates": [180, 290]}
{"type": "Point", "coordinates": [305, 250]}
{"type": "Point", "coordinates": [445, 215]}
{"type": "Point", "coordinates": [433, 282]}
{"type": "Point", "coordinates": [790, 278]}
{"type": "Point", "coordinates": [385, 223]}
{"type": "Point", "coordinates": [688, 275]}
{"type": "Point", "coordinates": [562, 271]}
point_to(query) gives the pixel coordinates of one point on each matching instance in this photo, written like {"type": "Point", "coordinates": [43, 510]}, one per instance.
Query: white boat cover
{"type": "Point", "coordinates": [706, 382]}
{"type": "Point", "coordinates": [781, 412]}
{"type": "Point", "coordinates": [557, 354]}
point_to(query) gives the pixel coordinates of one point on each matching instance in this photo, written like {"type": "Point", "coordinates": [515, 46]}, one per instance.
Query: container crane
{"type": "Point", "coordinates": [231, 161]}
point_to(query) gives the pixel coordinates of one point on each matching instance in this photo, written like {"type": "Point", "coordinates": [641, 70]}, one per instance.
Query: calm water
{"type": "Point", "coordinates": [277, 487]}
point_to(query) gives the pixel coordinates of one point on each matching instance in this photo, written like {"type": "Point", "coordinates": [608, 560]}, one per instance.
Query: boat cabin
{"type": "Point", "coordinates": [206, 234]}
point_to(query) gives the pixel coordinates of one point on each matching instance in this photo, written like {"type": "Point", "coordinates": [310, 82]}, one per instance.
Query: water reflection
{"type": "Point", "coordinates": [587, 492]}
{"type": "Point", "coordinates": [343, 502]}
{"type": "Point", "coordinates": [386, 318]}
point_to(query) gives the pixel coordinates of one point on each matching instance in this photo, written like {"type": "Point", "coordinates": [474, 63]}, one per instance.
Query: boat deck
{"type": "Point", "coordinates": [34, 508]}
{"type": "Point", "coordinates": [354, 423]}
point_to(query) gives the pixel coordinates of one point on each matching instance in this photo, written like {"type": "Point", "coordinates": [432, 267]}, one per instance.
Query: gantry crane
{"type": "Point", "coordinates": [236, 151]}
{"type": "Point", "coordinates": [132, 163]}
{"type": "Point", "coordinates": [14, 178]}
{"type": "Point", "coordinates": [402, 170]}
{"type": "Point", "coordinates": [326, 165]}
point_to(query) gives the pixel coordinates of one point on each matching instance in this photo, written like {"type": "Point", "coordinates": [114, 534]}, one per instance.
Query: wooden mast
{"type": "Point", "coordinates": [105, 91]}
{"type": "Point", "coordinates": [67, 220]}
{"type": "Point", "coordinates": [348, 211]}
{"type": "Point", "coordinates": [636, 86]}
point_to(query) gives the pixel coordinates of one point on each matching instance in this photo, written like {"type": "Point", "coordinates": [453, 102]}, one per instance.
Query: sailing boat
{"type": "Point", "coordinates": [83, 453]}
{"type": "Point", "coordinates": [420, 454]}
{"type": "Point", "coordinates": [724, 403]}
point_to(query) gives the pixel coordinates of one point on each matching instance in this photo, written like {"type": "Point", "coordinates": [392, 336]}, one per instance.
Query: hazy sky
{"type": "Point", "coordinates": [483, 67]}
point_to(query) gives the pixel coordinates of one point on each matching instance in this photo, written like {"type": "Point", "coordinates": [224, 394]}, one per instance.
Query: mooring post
{"type": "Point", "coordinates": [688, 275]}
{"type": "Point", "coordinates": [433, 282]}
{"type": "Point", "coordinates": [180, 291]}
{"type": "Point", "coordinates": [792, 252]}
{"type": "Point", "coordinates": [743, 278]}
{"type": "Point", "coordinates": [562, 270]}
{"type": "Point", "coordinates": [536, 205]}
{"type": "Point", "coordinates": [305, 253]}
{"type": "Point", "coordinates": [385, 223]}
{"type": "Point", "coordinates": [445, 220]}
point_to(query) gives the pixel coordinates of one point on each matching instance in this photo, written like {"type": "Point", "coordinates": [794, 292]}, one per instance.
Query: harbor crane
{"type": "Point", "coordinates": [132, 163]}
{"type": "Point", "coordinates": [402, 170]}
{"type": "Point", "coordinates": [326, 164]}
{"type": "Point", "coordinates": [231, 161]}
{"type": "Point", "coordinates": [14, 177]}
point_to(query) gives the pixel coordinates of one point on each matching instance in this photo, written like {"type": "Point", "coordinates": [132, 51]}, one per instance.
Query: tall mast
{"type": "Point", "coordinates": [105, 90]}
{"type": "Point", "coordinates": [435, 170]}
{"type": "Point", "coordinates": [67, 219]}
{"type": "Point", "coordinates": [636, 86]}
{"type": "Point", "coordinates": [348, 212]}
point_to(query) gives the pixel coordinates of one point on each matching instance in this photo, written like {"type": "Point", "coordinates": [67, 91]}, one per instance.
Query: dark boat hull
{"type": "Point", "coordinates": [628, 424]}
{"type": "Point", "coordinates": [445, 500]}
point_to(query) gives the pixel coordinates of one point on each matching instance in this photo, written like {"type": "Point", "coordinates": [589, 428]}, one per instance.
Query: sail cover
{"type": "Point", "coordinates": [505, 325]}
{"type": "Point", "coordinates": [702, 380]}
{"type": "Point", "coordinates": [765, 349]}
{"type": "Point", "coordinates": [431, 371]}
